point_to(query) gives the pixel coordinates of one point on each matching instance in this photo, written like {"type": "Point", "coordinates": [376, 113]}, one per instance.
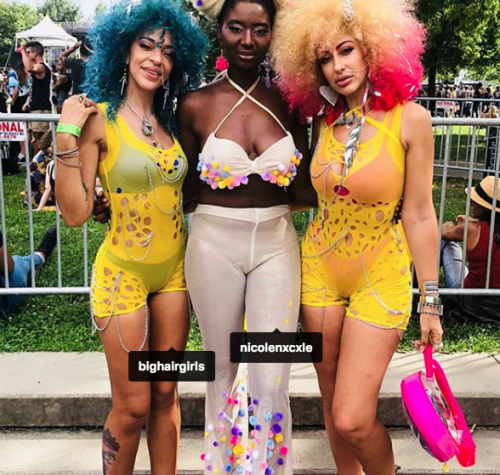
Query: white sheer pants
{"type": "Point", "coordinates": [245, 261]}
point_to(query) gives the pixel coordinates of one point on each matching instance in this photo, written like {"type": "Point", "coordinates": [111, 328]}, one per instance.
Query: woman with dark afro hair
{"type": "Point", "coordinates": [145, 54]}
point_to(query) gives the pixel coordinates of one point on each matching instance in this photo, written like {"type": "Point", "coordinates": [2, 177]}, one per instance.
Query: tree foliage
{"type": "Point", "coordinates": [60, 10]}
{"type": "Point", "coordinates": [210, 30]}
{"type": "Point", "coordinates": [100, 9]}
{"type": "Point", "coordinates": [461, 35]}
{"type": "Point", "coordinates": [14, 17]}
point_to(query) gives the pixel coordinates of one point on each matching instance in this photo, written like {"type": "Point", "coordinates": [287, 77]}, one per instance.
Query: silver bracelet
{"type": "Point", "coordinates": [421, 308]}
{"type": "Point", "coordinates": [430, 287]}
{"type": "Point", "coordinates": [434, 301]}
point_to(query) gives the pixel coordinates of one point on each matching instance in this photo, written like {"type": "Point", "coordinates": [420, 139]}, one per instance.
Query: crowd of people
{"type": "Point", "coordinates": [138, 123]}
{"type": "Point", "coordinates": [485, 99]}
{"type": "Point", "coordinates": [30, 85]}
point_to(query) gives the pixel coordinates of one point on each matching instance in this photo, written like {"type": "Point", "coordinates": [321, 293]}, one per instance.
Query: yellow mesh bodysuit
{"type": "Point", "coordinates": [353, 255]}
{"type": "Point", "coordinates": [143, 251]}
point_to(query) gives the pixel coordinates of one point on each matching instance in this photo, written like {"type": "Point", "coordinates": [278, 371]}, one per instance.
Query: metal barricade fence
{"type": "Point", "coordinates": [457, 143]}
{"type": "Point", "coordinates": [457, 106]}
{"type": "Point", "coordinates": [469, 167]}
{"type": "Point", "coordinates": [24, 119]}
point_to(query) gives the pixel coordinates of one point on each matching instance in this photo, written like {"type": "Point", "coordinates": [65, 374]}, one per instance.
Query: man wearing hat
{"type": "Point", "coordinates": [485, 201]}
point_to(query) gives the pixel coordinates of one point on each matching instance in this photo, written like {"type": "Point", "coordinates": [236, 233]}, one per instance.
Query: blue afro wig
{"type": "Point", "coordinates": [112, 38]}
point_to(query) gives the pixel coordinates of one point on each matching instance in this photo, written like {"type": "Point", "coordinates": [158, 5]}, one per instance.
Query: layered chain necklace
{"type": "Point", "coordinates": [354, 118]}
{"type": "Point", "coordinates": [350, 117]}
{"type": "Point", "coordinates": [147, 127]}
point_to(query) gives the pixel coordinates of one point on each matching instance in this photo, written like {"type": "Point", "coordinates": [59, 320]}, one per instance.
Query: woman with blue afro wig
{"type": "Point", "coordinates": [145, 54]}
{"type": "Point", "coordinates": [114, 35]}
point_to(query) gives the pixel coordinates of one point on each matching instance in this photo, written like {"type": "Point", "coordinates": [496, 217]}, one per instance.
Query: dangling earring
{"type": "Point", "coordinates": [123, 81]}
{"type": "Point", "coordinates": [329, 94]}
{"type": "Point", "coordinates": [267, 68]}
{"type": "Point", "coordinates": [221, 64]}
{"type": "Point", "coordinates": [166, 88]}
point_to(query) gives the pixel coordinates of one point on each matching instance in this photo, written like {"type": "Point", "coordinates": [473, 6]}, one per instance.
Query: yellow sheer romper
{"type": "Point", "coordinates": [143, 251]}
{"type": "Point", "coordinates": [353, 255]}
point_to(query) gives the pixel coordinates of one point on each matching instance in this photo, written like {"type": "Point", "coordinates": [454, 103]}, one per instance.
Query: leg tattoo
{"type": "Point", "coordinates": [110, 446]}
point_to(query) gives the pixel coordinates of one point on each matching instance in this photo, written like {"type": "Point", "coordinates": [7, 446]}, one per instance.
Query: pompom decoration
{"type": "Point", "coordinates": [221, 64]}
{"type": "Point", "coordinates": [220, 178]}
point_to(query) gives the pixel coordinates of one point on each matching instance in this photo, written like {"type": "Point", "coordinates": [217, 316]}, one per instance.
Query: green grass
{"type": "Point", "coordinates": [48, 323]}
{"type": "Point", "coordinates": [62, 323]}
{"type": "Point", "coordinates": [455, 197]}
{"type": "Point", "coordinates": [461, 143]}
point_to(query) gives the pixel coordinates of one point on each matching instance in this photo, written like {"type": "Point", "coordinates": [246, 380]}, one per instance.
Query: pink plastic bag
{"type": "Point", "coordinates": [434, 415]}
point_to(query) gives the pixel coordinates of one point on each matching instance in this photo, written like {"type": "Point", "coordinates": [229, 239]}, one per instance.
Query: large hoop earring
{"type": "Point", "coordinates": [123, 81]}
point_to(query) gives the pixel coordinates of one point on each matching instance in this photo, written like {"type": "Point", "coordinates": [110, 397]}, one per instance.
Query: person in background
{"type": "Point", "coordinates": [19, 84]}
{"type": "Point", "coordinates": [4, 94]}
{"type": "Point", "coordinates": [76, 66]}
{"type": "Point", "coordinates": [48, 196]}
{"type": "Point", "coordinates": [19, 269]}
{"type": "Point", "coordinates": [466, 307]}
{"type": "Point", "coordinates": [479, 93]}
{"type": "Point", "coordinates": [41, 75]}
{"type": "Point", "coordinates": [496, 96]}
{"type": "Point", "coordinates": [468, 94]}
{"type": "Point", "coordinates": [38, 169]}
{"type": "Point", "coordinates": [63, 85]}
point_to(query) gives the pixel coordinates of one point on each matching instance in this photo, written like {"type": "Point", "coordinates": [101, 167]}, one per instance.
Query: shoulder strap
{"type": "Point", "coordinates": [393, 128]}
{"type": "Point", "coordinates": [103, 106]}
{"type": "Point", "coordinates": [246, 95]}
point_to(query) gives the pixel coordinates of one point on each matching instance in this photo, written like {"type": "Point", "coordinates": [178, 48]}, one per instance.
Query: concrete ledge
{"type": "Point", "coordinates": [78, 453]}
{"type": "Point", "coordinates": [91, 411]}
{"type": "Point", "coordinates": [72, 390]}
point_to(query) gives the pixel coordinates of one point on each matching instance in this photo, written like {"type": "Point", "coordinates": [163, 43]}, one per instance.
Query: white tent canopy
{"type": "Point", "coordinates": [48, 33]}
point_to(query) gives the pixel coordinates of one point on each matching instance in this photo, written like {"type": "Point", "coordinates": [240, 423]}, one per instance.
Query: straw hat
{"type": "Point", "coordinates": [212, 8]}
{"type": "Point", "coordinates": [483, 193]}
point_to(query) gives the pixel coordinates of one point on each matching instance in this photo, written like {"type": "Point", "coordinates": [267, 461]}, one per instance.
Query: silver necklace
{"type": "Point", "coordinates": [147, 127]}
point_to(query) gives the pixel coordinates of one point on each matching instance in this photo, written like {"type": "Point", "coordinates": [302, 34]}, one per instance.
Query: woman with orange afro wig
{"type": "Point", "coordinates": [355, 66]}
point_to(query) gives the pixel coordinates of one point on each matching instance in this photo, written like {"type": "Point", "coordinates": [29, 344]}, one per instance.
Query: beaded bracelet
{"type": "Point", "coordinates": [69, 129]}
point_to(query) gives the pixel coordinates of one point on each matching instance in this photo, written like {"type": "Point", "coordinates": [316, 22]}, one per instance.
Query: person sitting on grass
{"type": "Point", "coordinates": [466, 307]}
{"type": "Point", "coordinates": [38, 169]}
{"type": "Point", "coordinates": [19, 269]}
{"type": "Point", "coordinates": [49, 196]}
